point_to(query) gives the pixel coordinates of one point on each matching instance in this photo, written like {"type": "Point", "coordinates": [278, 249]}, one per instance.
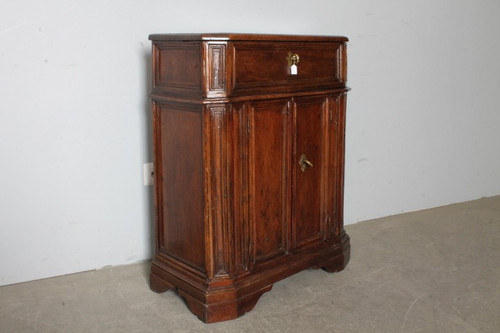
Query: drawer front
{"type": "Point", "coordinates": [265, 66]}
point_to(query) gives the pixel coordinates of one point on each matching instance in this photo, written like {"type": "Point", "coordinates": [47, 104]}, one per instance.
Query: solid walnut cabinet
{"type": "Point", "coordinates": [249, 159]}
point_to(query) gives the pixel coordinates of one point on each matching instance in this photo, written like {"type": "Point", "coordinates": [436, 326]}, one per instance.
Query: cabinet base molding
{"type": "Point", "coordinates": [223, 298]}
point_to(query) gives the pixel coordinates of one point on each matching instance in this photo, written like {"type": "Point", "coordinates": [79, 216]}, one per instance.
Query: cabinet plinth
{"type": "Point", "coordinates": [248, 135]}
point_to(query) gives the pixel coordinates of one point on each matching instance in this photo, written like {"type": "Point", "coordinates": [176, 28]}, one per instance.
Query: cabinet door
{"type": "Point", "coordinates": [309, 171]}
{"type": "Point", "coordinates": [268, 172]}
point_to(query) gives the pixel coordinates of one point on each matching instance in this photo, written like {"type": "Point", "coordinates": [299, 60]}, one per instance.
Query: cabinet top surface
{"type": "Point", "coordinates": [245, 37]}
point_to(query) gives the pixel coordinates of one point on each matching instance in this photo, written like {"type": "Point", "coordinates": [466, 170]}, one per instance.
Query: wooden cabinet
{"type": "Point", "coordinates": [249, 158]}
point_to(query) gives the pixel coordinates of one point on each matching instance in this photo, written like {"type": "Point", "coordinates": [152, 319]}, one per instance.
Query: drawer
{"type": "Point", "coordinates": [265, 66]}
{"type": "Point", "coordinates": [213, 66]}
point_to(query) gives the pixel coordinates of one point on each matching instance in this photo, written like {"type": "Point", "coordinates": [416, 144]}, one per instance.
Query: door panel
{"type": "Point", "coordinates": [310, 116]}
{"type": "Point", "coordinates": [269, 143]}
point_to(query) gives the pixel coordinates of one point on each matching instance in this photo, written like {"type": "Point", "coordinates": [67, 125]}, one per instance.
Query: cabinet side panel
{"type": "Point", "coordinates": [308, 217]}
{"type": "Point", "coordinates": [338, 152]}
{"type": "Point", "coordinates": [268, 172]}
{"type": "Point", "coordinates": [177, 68]}
{"type": "Point", "coordinates": [181, 184]}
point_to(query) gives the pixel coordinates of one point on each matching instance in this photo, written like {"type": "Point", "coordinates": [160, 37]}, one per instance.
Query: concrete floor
{"type": "Point", "coordinates": [436, 270]}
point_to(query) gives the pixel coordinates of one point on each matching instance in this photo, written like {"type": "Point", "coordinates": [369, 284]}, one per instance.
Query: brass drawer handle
{"type": "Point", "coordinates": [292, 59]}
{"type": "Point", "coordinates": [304, 163]}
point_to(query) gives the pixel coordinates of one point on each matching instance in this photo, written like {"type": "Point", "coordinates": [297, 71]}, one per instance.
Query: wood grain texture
{"type": "Point", "coordinates": [235, 213]}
